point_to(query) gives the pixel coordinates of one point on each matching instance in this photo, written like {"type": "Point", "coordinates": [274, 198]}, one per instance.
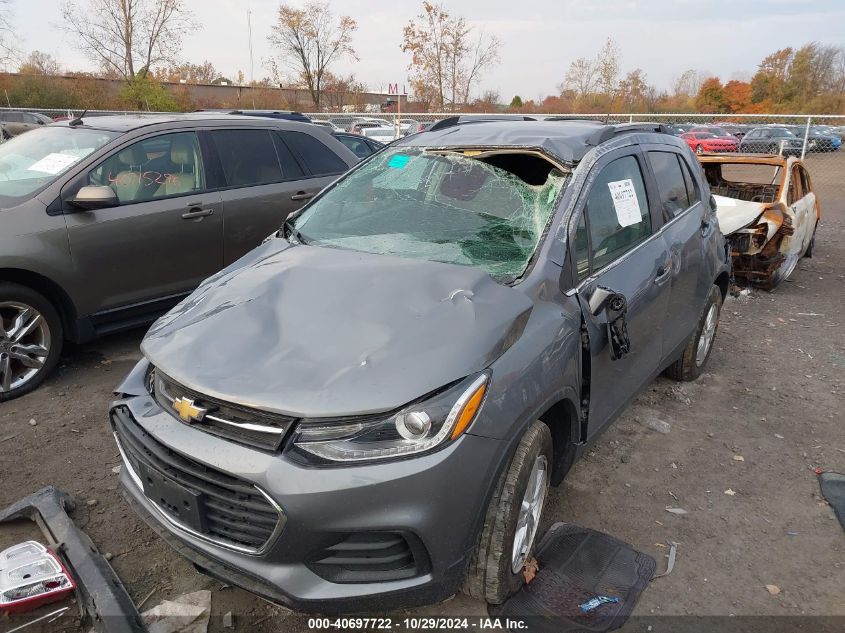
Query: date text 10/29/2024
{"type": "Point", "coordinates": [416, 624]}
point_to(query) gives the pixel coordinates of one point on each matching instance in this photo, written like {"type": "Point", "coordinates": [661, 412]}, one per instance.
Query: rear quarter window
{"type": "Point", "coordinates": [319, 159]}
{"type": "Point", "coordinates": [670, 182]}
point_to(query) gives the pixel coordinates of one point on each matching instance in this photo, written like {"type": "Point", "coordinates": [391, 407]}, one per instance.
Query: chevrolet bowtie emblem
{"type": "Point", "coordinates": [188, 411]}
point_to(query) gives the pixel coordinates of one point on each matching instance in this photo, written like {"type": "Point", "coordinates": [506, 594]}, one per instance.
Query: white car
{"type": "Point", "coordinates": [767, 210]}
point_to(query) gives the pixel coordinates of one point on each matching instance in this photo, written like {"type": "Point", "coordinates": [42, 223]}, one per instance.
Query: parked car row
{"type": "Point", "coordinates": [767, 139]}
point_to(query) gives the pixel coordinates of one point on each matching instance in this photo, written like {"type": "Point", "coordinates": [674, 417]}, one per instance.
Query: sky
{"type": "Point", "coordinates": [539, 38]}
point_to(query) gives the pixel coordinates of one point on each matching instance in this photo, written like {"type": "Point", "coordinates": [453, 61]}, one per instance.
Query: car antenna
{"type": "Point", "coordinates": [78, 120]}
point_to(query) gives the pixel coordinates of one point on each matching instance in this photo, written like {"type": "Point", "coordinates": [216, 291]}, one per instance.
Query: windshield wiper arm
{"type": "Point", "coordinates": [292, 230]}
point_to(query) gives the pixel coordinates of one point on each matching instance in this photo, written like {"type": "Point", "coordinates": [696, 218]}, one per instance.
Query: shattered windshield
{"type": "Point", "coordinates": [484, 211]}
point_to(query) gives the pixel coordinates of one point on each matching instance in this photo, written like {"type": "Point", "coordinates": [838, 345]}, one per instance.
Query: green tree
{"type": "Point", "coordinates": [145, 93]}
{"type": "Point", "coordinates": [516, 102]}
{"type": "Point", "coordinates": [711, 97]}
{"type": "Point", "coordinates": [769, 81]}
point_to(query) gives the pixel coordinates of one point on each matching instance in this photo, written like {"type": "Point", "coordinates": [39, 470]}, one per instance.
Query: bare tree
{"type": "Point", "coordinates": [204, 73]}
{"type": "Point", "coordinates": [485, 53]}
{"type": "Point", "coordinates": [581, 78]}
{"type": "Point", "coordinates": [39, 63]}
{"type": "Point", "coordinates": [127, 37]}
{"type": "Point", "coordinates": [688, 83]}
{"type": "Point", "coordinates": [7, 51]}
{"type": "Point", "coordinates": [309, 40]}
{"type": "Point", "coordinates": [447, 59]}
{"type": "Point", "coordinates": [607, 68]}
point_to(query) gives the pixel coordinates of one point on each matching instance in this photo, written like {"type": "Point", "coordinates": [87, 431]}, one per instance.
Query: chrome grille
{"type": "Point", "coordinates": [234, 422]}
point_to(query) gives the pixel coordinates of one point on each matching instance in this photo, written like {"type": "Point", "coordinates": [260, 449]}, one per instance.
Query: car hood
{"type": "Point", "coordinates": [735, 214]}
{"type": "Point", "coordinates": [319, 332]}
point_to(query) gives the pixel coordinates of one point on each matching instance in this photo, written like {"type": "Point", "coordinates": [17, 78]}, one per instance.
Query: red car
{"type": "Point", "coordinates": [701, 142]}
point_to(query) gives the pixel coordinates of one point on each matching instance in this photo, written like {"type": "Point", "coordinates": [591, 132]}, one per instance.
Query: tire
{"type": "Point", "coordinates": [772, 149]}
{"type": "Point", "coordinates": [699, 149]}
{"type": "Point", "coordinates": [812, 245]}
{"type": "Point", "coordinates": [691, 365]}
{"type": "Point", "coordinates": [45, 336]}
{"type": "Point", "coordinates": [490, 576]}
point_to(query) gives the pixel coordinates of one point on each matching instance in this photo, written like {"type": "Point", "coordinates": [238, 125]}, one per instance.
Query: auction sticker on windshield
{"type": "Point", "coordinates": [625, 202]}
{"type": "Point", "coordinates": [54, 163]}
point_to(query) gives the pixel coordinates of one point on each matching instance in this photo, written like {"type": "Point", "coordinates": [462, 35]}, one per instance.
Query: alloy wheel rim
{"type": "Point", "coordinates": [707, 334]}
{"type": "Point", "coordinates": [529, 514]}
{"type": "Point", "coordinates": [24, 344]}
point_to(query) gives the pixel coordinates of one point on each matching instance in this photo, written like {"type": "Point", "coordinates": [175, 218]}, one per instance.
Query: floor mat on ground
{"type": "Point", "coordinates": [582, 575]}
{"type": "Point", "coordinates": [833, 489]}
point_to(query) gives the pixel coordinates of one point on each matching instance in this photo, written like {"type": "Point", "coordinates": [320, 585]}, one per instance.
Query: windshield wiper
{"type": "Point", "coordinates": [292, 230]}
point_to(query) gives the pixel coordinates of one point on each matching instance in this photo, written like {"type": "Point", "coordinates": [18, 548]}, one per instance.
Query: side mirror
{"type": "Point", "coordinates": [95, 197]}
{"type": "Point", "coordinates": [615, 306]}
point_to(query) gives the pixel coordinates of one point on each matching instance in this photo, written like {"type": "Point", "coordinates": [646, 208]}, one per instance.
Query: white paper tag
{"type": "Point", "coordinates": [625, 202]}
{"type": "Point", "coordinates": [53, 163]}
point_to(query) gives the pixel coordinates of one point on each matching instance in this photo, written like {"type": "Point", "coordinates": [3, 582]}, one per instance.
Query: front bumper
{"type": "Point", "coordinates": [436, 501]}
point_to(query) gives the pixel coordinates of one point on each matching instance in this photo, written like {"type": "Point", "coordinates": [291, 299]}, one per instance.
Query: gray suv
{"type": "Point", "coordinates": [108, 222]}
{"type": "Point", "coordinates": [367, 410]}
{"type": "Point", "coordinates": [14, 122]}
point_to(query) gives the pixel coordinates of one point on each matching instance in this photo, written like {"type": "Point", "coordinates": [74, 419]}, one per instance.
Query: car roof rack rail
{"type": "Point", "coordinates": [587, 118]}
{"type": "Point", "coordinates": [452, 121]}
{"type": "Point", "coordinates": [608, 132]}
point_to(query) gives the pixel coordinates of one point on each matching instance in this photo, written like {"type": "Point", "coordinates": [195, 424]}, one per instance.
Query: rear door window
{"type": "Point", "coordinates": [318, 158]}
{"type": "Point", "coordinates": [248, 157]}
{"type": "Point", "coordinates": [670, 183]}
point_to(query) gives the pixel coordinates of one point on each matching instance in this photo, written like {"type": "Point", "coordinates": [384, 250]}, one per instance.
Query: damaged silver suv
{"type": "Point", "coordinates": [366, 411]}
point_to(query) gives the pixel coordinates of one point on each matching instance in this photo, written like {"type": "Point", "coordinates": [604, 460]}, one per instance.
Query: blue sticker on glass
{"type": "Point", "coordinates": [399, 161]}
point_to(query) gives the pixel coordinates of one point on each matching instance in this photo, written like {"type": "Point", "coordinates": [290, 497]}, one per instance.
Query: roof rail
{"type": "Point", "coordinates": [608, 132]}
{"type": "Point", "coordinates": [459, 120]}
{"type": "Point", "coordinates": [574, 118]}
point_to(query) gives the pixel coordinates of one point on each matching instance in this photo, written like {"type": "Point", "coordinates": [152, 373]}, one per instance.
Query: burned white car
{"type": "Point", "coordinates": [768, 211]}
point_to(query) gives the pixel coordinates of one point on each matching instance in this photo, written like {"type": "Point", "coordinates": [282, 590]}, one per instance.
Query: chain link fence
{"type": "Point", "coordinates": [817, 138]}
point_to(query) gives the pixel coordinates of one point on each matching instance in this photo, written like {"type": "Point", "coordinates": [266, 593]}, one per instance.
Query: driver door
{"type": "Point", "coordinates": [159, 243]}
{"type": "Point", "coordinates": [621, 261]}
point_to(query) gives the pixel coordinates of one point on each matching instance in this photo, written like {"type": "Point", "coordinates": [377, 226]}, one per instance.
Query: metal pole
{"type": "Point", "coordinates": [806, 135]}
{"type": "Point", "coordinates": [398, 111]}
{"type": "Point", "coordinates": [249, 28]}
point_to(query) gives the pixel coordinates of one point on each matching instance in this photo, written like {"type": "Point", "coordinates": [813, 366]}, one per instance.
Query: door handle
{"type": "Point", "coordinates": [195, 214]}
{"type": "Point", "coordinates": [302, 195]}
{"type": "Point", "coordinates": [663, 273]}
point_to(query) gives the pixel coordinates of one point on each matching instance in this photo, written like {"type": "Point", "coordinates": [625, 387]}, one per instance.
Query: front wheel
{"type": "Point", "coordinates": [30, 339]}
{"type": "Point", "coordinates": [510, 527]}
{"type": "Point", "coordinates": [699, 149]}
{"type": "Point", "coordinates": [692, 362]}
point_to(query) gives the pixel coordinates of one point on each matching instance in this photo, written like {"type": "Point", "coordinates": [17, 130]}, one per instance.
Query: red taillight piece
{"type": "Point", "coordinates": [31, 575]}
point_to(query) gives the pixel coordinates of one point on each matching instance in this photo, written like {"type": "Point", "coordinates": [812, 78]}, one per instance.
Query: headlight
{"type": "Point", "coordinates": [417, 428]}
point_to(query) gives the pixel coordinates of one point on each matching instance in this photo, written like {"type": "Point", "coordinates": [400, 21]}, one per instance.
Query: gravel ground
{"type": "Point", "coordinates": [739, 458]}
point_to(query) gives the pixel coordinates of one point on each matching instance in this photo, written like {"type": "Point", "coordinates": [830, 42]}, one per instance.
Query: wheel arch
{"type": "Point", "coordinates": [723, 282]}
{"type": "Point", "coordinates": [562, 419]}
{"type": "Point", "coordinates": [51, 291]}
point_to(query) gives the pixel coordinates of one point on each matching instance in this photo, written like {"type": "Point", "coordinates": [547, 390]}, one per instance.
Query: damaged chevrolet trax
{"type": "Point", "coordinates": [367, 411]}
